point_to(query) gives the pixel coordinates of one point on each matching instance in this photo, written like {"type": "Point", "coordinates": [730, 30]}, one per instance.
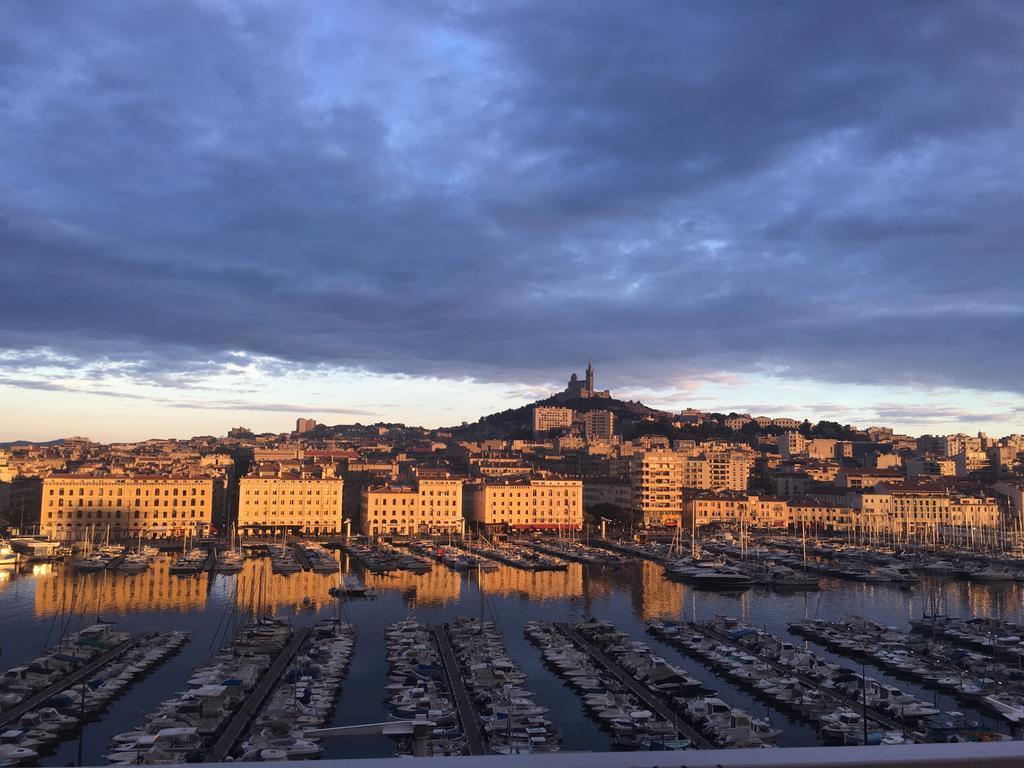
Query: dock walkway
{"type": "Point", "coordinates": [651, 701]}
{"type": "Point", "coordinates": [300, 555]}
{"type": "Point", "coordinates": [64, 683]}
{"type": "Point", "coordinates": [241, 719]}
{"type": "Point", "coordinates": [466, 713]}
{"type": "Point", "coordinates": [873, 715]}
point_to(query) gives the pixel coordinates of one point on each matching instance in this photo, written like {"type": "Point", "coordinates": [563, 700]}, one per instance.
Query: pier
{"type": "Point", "coordinates": [467, 716]}
{"type": "Point", "coordinates": [241, 719]}
{"type": "Point", "coordinates": [652, 702]}
{"type": "Point", "coordinates": [79, 674]}
{"type": "Point", "coordinates": [300, 555]}
{"type": "Point", "coordinates": [871, 714]}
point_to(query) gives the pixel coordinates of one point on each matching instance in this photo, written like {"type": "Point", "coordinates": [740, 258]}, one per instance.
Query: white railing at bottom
{"type": "Point", "coordinates": [1004, 754]}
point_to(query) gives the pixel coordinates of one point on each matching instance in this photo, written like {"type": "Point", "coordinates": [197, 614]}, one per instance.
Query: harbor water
{"type": "Point", "coordinates": [40, 602]}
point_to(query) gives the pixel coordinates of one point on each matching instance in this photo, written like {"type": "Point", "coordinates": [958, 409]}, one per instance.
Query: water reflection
{"type": "Point", "coordinates": [36, 602]}
{"type": "Point", "coordinates": [59, 589]}
{"type": "Point", "coordinates": [438, 586]}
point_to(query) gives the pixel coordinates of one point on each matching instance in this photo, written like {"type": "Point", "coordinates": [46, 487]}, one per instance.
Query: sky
{"type": "Point", "coordinates": [220, 213]}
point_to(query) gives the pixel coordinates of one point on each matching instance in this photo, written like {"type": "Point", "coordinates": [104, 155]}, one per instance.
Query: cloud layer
{"type": "Point", "coordinates": [494, 190]}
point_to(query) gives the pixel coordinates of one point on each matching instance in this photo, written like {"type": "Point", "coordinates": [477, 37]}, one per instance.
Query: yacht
{"type": "Point", "coordinates": [720, 578]}
{"type": "Point", "coordinates": [12, 751]}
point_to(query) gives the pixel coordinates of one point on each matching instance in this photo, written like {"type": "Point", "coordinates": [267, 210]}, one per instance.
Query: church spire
{"type": "Point", "coordinates": [590, 377]}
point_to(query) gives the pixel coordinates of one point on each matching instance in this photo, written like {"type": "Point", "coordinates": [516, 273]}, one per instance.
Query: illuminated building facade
{"type": "Point", "coordinates": [428, 505]}
{"type": "Point", "coordinates": [276, 500]}
{"type": "Point", "coordinates": [123, 506]}
{"type": "Point", "coordinates": [527, 504]}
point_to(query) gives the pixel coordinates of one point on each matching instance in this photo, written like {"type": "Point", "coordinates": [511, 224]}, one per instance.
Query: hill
{"type": "Point", "coordinates": [518, 422]}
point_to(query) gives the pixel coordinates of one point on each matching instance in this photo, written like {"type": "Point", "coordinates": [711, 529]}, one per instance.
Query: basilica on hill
{"type": "Point", "coordinates": [582, 389]}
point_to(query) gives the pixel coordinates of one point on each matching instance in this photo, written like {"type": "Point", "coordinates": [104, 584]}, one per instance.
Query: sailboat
{"type": "Point", "coordinates": [230, 560]}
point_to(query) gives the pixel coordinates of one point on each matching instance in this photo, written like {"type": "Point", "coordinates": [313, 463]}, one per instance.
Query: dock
{"type": "Point", "coordinates": [872, 714]}
{"type": "Point", "coordinates": [650, 701]}
{"type": "Point", "coordinates": [69, 681]}
{"type": "Point", "coordinates": [300, 555]}
{"type": "Point", "coordinates": [467, 715]}
{"type": "Point", "coordinates": [245, 714]}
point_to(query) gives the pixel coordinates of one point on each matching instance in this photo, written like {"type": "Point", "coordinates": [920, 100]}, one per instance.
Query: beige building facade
{"type": "Point", "coordinates": [431, 505]}
{"type": "Point", "coordinates": [290, 501]}
{"type": "Point", "coordinates": [734, 508]}
{"type": "Point", "coordinates": [656, 482]}
{"type": "Point", "coordinates": [550, 418]}
{"type": "Point", "coordinates": [155, 506]}
{"type": "Point", "coordinates": [598, 426]}
{"type": "Point", "coordinates": [528, 504]}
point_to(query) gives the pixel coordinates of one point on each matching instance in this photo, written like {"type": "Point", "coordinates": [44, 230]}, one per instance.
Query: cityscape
{"type": "Point", "coordinates": [581, 573]}
{"type": "Point", "coordinates": [531, 383]}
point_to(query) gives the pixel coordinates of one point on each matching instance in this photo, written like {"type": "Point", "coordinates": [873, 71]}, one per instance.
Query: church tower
{"type": "Point", "coordinates": [590, 379]}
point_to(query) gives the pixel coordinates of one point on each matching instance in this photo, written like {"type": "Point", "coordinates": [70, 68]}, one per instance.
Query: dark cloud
{"type": "Point", "coordinates": [495, 190]}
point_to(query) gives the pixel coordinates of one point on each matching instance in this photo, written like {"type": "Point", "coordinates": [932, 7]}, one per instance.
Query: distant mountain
{"type": "Point", "coordinates": [17, 443]}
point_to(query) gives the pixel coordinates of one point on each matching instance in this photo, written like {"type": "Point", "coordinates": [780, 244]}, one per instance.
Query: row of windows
{"type": "Point", "coordinates": [138, 492]}
{"type": "Point", "coordinates": [101, 514]}
{"type": "Point", "coordinates": [247, 514]}
{"type": "Point", "coordinates": [332, 494]}
{"type": "Point", "coordinates": [327, 503]}
{"type": "Point", "coordinates": [138, 502]}
{"type": "Point", "coordinates": [551, 492]}
{"type": "Point", "coordinates": [428, 513]}
{"type": "Point", "coordinates": [378, 501]}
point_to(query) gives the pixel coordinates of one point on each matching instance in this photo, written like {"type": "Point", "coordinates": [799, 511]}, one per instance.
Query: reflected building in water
{"type": "Point", "coordinates": [536, 585]}
{"type": "Point", "coordinates": [258, 589]}
{"type": "Point", "coordinates": [659, 597]}
{"type": "Point", "coordinates": [155, 589]}
{"type": "Point", "coordinates": [438, 586]}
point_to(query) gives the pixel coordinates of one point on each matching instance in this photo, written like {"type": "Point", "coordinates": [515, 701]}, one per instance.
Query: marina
{"type": "Point", "coordinates": [500, 684]}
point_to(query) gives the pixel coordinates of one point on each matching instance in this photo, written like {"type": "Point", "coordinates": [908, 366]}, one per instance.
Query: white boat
{"type": "Point", "coordinates": [11, 754]}
{"type": "Point", "coordinates": [7, 555]}
{"type": "Point", "coordinates": [133, 564]}
{"type": "Point", "coordinates": [1009, 706]}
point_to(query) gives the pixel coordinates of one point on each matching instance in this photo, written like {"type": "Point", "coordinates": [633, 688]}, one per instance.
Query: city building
{"type": "Point", "coordinates": [733, 507]}
{"type": "Point", "coordinates": [305, 425]}
{"type": "Point", "coordinates": [602, 489]}
{"type": "Point", "coordinates": [656, 480]}
{"type": "Point", "coordinates": [526, 504]}
{"type": "Point", "coordinates": [784, 423]}
{"type": "Point", "coordinates": [925, 511]}
{"type": "Point", "coordinates": [275, 498]}
{"type": "Point", "coordinates": [75, 506]}
{"type": "Point", "coordinates": [425, 505]}
{"type": "Point", "coordinates": [598, 426]}
{"type": "Point", "coordinates": [548, 418]}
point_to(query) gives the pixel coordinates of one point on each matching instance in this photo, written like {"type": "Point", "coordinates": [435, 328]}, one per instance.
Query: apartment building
{"type": "Point", "coordinates": [729, 469]}
{"type": "Point", "coordinates": [792, 444]}
{"type": "Point", "coordinates": [426, 505]}
{"type": "Point", "coordinates": [277, 498]}
{"type": "Point", "coordinates": [656, 481]}
{"type": "Point", "coordinates": [598, 426]}
{"type": "Point", "coordinates": [815, 515]}
{"type": "Point", "coordinates": [126, 505]}
{"type": "Point", "coordinates": [303, 426]}
{"type": "Point", "coordinates": [549, 418]}
{"type": "Point", "coordinates": [526, 504]}
{"type": "Point", "coordinates": [784, 423]}
{"type": "Point", "coordinates": [733, 507]}
{"type": "Point", "coordinates": [916, 509]}
{"type": "Point", "coordinates": [737, 421]}
{"type": "Point", "coordinates": [601, 489]}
